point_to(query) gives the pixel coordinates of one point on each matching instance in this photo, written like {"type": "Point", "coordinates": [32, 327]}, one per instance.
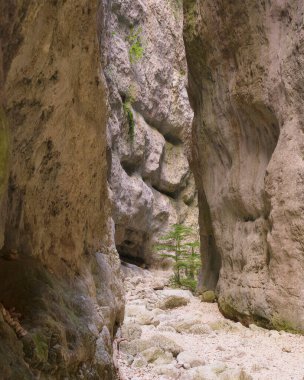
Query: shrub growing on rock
{"type": "Point", "coordinates": [136, 49]}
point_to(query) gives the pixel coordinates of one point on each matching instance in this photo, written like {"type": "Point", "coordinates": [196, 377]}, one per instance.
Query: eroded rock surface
{"type": "Point", "coordinates": [246, 89]}
{"type": "Point", "coordinates": [59, 268]}
{"type": "Point", "coordinates": [150, 179]}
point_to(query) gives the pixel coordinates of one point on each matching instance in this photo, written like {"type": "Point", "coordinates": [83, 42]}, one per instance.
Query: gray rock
{"type": "Point", "coordinates": [140, 314]}
{"type": "Point", "coordinates": [188, 359]}
{"type": "Point", "coordinates": [185, 325]}
{"type": "Point", "coordinates": [139, 362]}
{"type": "Point", "coordinates": [175, 169]}
{"type": "Point", "coordinates": [165, 327]}
{"type": "Point", "coordinates": [152, 353]}
{"type": "Point", "coordinates": [199, 373]}
{"type": "Point", "coordinates": [169, 371]}
{"type": "Point", "coordinates": [150, 163]}
{"type": "Point", "coordinates": [200, 329]}
{"type": "Point", "coordinates": [131, 331]}
{"type": "Point", "coordinates": [135, 346]}
{"type": "Point", "coordinates": [156, 341]}
{"type": "Point", "coordinates": [166, 344]}
{"type": "Point", "coordinates": [165, 358]}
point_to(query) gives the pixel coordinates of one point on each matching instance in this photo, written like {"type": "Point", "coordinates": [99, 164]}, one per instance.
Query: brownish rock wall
{"type": "Point", "coordinates": [59, 267]}
{"type": "Point", "coordinates": [246, 87]}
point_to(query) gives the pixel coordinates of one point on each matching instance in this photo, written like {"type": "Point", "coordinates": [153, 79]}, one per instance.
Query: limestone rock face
{"type": "Point", "coordinates": [246, 89]}
{"type": "Point", "coordinates": [58, 265]}
{"type": "Point", "coordinates": [145, 68]}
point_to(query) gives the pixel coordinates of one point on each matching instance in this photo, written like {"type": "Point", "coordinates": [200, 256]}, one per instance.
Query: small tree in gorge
{"type": "Point", "coordinates": [177, 244]}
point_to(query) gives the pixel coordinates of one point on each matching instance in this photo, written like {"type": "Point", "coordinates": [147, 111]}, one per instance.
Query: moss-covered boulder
{"type": "Point", "coordinates": [208, 296]}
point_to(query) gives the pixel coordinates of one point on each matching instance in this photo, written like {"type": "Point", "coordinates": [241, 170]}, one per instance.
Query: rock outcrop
{"type": "Point", "coordinates": [246, 88]}
{"type": "Point", "coordinates": [59, 268]}
{"type": "Point", "coordinates": [145, 68]}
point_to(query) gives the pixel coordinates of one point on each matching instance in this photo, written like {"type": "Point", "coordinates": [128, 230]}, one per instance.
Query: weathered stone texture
{"type": "Point", "coordinates": [58, 267]}
{"type": "Point", "coordinates": [246, 87]}
{"type": "Point", "coordinates": [149, 170]}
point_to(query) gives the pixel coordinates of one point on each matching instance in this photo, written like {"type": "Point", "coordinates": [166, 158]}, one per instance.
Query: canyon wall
{"type": "Point", "coordinates": [246, 87]}
{"type": "Point", "coordinates": [94, 119]}
{"type": "Point", "coordinates": [65, 131]}
{"type": "Point", "coordinates": [145, 67]}
{"type": "Point", "coordinates": [59, 268]}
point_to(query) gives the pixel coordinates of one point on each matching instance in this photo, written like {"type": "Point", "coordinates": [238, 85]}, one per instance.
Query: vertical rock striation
{"type": "Point", "coordinates": [146, 72]}
{"type": "Point", "coordinates": [246, 88]}
{"type": "Point", "coordinates": [59, 268]}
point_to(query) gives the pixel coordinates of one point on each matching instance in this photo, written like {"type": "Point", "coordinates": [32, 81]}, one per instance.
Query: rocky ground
{"type": "Point", "coordinates": [171, 334]}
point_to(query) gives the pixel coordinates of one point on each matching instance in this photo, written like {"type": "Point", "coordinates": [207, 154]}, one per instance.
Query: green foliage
{"type": "Point", "coordinates": [136, 49]}
{"type": "Point", "coordinates": [177, 244]}
{"type": "Point", "coordinates": [184, 282]}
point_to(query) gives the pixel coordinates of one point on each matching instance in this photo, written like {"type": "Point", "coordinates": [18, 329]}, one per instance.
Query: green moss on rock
{"type": "Point", "coordinates": [208, 296]}
{"type": "Point", "coordinates": [41, 347]}
{"type": "Point", "coordinates": [282, 324]}
{"type": "Point", "coordinates": [276, 322]}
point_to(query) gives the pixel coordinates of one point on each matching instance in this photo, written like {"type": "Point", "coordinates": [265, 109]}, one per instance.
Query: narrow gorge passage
{"type": "Point", "coordinates": [123, 122]}
{"type": "Point", "coordinates": [170, 334]}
